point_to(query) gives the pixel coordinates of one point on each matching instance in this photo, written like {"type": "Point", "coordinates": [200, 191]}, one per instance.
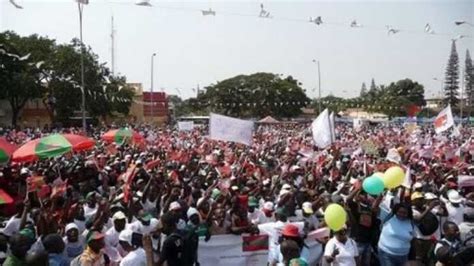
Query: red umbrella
{"type": "Point", "coordinates": [6, 150]}
{"type": "Point", "coordinates": [51, 146]}
{"type": "Point", "coordinates": [120, 136]}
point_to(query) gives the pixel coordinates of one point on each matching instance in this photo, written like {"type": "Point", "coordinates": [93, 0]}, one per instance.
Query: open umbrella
{"type": "Point", "coordinates": [6, 150]}
{"type": "Point", "coordinates": [51, 146]}
{"type": "Point", "coordinates": [120, 136]}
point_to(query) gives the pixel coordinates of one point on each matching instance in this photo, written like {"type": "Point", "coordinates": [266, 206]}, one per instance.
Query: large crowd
{"type": "Point", "coordinates": [152, 203]}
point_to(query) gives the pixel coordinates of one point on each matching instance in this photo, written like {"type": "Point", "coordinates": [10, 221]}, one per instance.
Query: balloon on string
{"type": "Point", "coordinates": [393, 177]}
{"type": "Point", "coordinates": [335, 216]}
{"type": "Point", "coordinates": [373, 185]}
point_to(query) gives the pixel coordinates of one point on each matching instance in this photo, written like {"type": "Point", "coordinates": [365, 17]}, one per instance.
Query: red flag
{"type": "Point", "coordinates": [59, 190]}
{"type": "Point", "coordinates": [128, 178]}
{"type": "Point", "coordinates": [254, 243]}
{"type": "Point", "coordinates": [152, 164]}
{"type": "Point", "coordinates": [35, 183]}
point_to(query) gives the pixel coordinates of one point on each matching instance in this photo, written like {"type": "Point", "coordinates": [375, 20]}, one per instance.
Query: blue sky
{"type": "Point", "coordinates": [194, 49]}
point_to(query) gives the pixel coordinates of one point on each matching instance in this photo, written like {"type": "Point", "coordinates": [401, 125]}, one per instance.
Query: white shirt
{"type": "Point", "coordinates": [13, 226]}
{"type": "Point", "coordinates": [138, 227]}
{"type": "Point", "coordinates": [464, 229]}
{"type": "Point", "coordinates": [134, 258]}
{"type": "Point", "coordinates": [89, 212]}
{"type": "Point", "coordinates": [112, 237]}
{"type": "Point", "coordinates": [257, 217]}
{"type": "Point", "coordinates": [455, 214]}
{"type": "Point", "coordinates": [273, 230]}
{"type": "Point", "coordinates": [347, 252]}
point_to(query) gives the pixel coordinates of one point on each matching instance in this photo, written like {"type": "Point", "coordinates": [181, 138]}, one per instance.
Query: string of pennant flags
{"type": "Point", "coordinates": [319, 20]}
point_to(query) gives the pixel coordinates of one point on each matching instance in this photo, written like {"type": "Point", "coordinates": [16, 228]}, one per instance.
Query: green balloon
{"type": "Point", "coordinates": [373, 185]}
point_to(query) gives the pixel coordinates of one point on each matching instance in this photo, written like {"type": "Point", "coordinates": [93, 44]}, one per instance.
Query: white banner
{"type": "Point", "coordinates": [444, 120]}
{"type": "Point", "coordinates": [232, 250]}
{"type": "Point", "coordinates": [357, 123]}
{"type": "Point", "coordinates": [322, 130]}
{"type": "Point", "coordinates": [230, 129]}
{"type": "Point", "coordinates": [185, 125]}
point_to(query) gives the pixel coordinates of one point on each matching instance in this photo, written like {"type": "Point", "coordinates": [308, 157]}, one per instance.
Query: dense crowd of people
{"type": "Point", "coordinates": [151, 203]}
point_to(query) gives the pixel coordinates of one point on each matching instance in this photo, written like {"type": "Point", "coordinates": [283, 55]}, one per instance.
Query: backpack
{"type": "Point", "coordinates": [190, 245]}
{"type": "Point", "coordinates": [428, 225]}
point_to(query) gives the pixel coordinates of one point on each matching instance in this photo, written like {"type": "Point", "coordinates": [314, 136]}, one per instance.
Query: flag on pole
{"type": "Point", "coordinates": [333, 129]}
{"type": "Point", "coordinates": [322, 130]}
{"type": "Point", "coordinates": [230, 129]}
{"type": "Point", "coordinates": [444, 120]}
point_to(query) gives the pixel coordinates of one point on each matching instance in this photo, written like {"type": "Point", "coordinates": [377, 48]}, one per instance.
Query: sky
{"type": "Point", "coordinates": [193, 49]}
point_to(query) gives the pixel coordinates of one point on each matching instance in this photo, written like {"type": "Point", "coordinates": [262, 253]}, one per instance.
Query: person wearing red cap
{"type": "Point", "coordinates": [292, 232]}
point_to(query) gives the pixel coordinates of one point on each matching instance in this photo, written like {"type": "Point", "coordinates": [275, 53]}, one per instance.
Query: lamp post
{"type": "Point", "coordinates": [80, 5]}
{"type": "Point", "coordinates": [151, 86]}
{"type": "Point", "coordinates": [319, 85]}
{"type": "Point", "coordinates": [441, 87]}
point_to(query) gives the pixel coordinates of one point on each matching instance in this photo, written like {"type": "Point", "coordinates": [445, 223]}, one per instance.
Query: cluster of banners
{"type": "Point", "coordinates": [226, 128]}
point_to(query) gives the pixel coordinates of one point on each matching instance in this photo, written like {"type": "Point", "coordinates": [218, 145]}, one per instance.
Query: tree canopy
{"type": "Point", "coordinates": [52, 72]}
{"type": "Point", "coordinates": [255, 95]}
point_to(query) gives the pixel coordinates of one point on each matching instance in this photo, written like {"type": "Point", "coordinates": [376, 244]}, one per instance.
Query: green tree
{"type": "Point", "coordinates": [255, 95]}
{"type": "Point", "coordinates": [469, 81]}
{"type": "Point", "coordinates": [363, 90]}
{"type": "Point", "coordinates": [24, 61]}
{"type": "Point", "coordinates": [451, 85]}
{"type": "Point", "coordinates": [394, 99]}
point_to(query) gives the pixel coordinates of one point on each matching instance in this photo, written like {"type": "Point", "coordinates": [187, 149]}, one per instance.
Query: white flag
{"type": "Point", "coordinates": [357, 124]}
{"type": "Point", "coordinates": [394, 156]}
{"type": "Point", "coordinates": [322, 132]}
{"type": "Point", "coordinates": [444, 120]}
{"type": "Point", "coordinates": [230, 129]}
{"type": "Point", "coordinates": [456, 131]}
{"type": "Point", "coordinates": [185, 125]}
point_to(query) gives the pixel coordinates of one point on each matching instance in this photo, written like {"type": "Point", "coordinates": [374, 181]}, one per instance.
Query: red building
{"type": "Point", "coordinates": [155, 106]}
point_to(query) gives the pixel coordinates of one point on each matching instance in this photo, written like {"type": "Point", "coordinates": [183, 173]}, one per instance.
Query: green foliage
{"type": "Point", "coordinates": [363, 90]}
{"type": "Point", "coordinates": [256, 95]}
{"type": "Point", "coordinates": [58, 79]}
{"type": "Point", "coordinates": [469, 81]}
{"type": "Point", "coordinates": [451, 79]}
{"type": "Point", "coordinates": [21, 73]}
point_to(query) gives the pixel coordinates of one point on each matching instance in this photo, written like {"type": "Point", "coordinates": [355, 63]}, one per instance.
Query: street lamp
{"type": "Point", "coordinates": [319, 85]}
{"type": "Point", "coordinates": [441, 83]}
{"type": "Point", "coordinates": [151, 96]}
{"type": "Point", "coordinates": [80, 5]}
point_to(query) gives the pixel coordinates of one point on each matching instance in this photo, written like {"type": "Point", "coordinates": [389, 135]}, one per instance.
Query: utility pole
{"type": "Point", "coordinates": [112, 38]}
{"type": "Point", "coordinates": [151, 89]}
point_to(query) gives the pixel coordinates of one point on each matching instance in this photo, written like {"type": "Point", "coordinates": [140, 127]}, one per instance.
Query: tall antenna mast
{"type": "Point", "coordinates": [112, 38]}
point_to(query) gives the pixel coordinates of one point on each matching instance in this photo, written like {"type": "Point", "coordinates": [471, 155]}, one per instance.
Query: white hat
{"type": "Point", "coordinates": [119, 216]}
{"type": "Point", "coordinates": [175, 206]}
{"type": "Point", "coordinates": [454, 196]}
{"type": "Point", "coordinates": [430, 196]}
{"type": "Point", "coordinates": [191, 211]}
{"type": "Point", "coordinates": [307, 207]}
{"type": "Point", "coordinates": [286, 187]}
{"type": "Point", "coordinates": [418, 185]}
{"type": "Point", "coordinates": [268, 205]}
{"type": "Point", "coordinates": [139, 162]}
{"type": "Point", "coordinates": [24, 171]}
{"type": "Point", "coordinates": [71, 226]}
{"type": "Point", "coordinates": [126, 236]}
{"type": "Point", "coordinates": [128, 156]}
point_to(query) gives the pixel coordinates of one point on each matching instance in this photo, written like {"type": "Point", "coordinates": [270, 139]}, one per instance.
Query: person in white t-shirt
{"type": "Point", "coordinates": [112, 234]}
{"type": "Point", "coordinates": [91, 206]}
{"type": "Point", "coordinates": [341, 250]}
{"type": "Point", "coordinates": [255, 215]}
{"type": "Point", "coordinates": [455, 207]}
{"type": "Point", "coordinates": [136, 255]}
